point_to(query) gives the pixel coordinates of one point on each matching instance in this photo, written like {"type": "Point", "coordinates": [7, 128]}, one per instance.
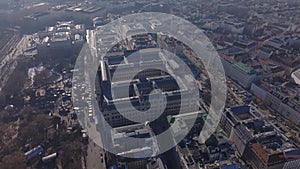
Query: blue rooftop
{"type": "Point", "coordinates": [233, 51]}
{"type": "Point", "coordinates": [233, 166]}
{"type": "Point", "coordinates": [240, 109]}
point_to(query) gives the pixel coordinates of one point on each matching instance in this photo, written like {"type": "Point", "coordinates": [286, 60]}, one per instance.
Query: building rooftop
{"type": "Point", "coordinates": [296, 76]}
{"type": "Point", "coordinates": [232, 166]}
{"type": "Point", "coordinates": [142, 85]}
{"type": "Point", "coordinates": [285, 91]}
{"type": "Point", "coordinates": [144, 146]}
{"type": "Point", "coordinates": [241, 114]}
{"type": "Point", "coordinates": [156, 164]}
{"type": "Point", "coordinates": [244, 68]}
{"type": "Point", "coordinates": [292, 164]}
{"type": "Point", "coordinates": [63, 34]}
{"type": "Point", "coordinates": [266, 156]}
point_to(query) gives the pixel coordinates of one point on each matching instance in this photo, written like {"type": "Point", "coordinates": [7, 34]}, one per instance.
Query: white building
{"type": "Point", "coordinates": [141, 87]}
{"type": "Point", "coordinates": [296, 76]}
{"type": "Point", "coordinates": [63, 35]}
{"type": "Point", "coordinates": [240, 73]}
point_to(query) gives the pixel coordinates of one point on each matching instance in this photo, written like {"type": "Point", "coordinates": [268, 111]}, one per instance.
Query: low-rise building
{"type": "Point", "coordinates": [63, 35]}
{"type": "Point", "coordinates": [261, 144]}
{"type": "Point", "coordinates": [280, 97]}
{"type": "Point", "coordinates": [239, 72]}
{"type": "Point", "coordinates": [128, 154]}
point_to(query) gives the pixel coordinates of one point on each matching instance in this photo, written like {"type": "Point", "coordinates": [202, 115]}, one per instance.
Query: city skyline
{"type": "Point", "coordinates": [100, 84]}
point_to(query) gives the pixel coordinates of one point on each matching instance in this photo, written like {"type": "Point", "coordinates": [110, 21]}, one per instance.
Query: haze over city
{"type": "Point", "coordinates": [149, 84]}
